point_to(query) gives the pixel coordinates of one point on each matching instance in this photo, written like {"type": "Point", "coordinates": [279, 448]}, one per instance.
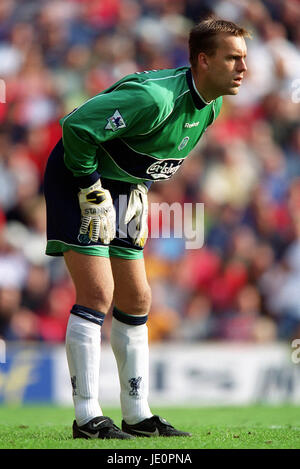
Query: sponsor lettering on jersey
{"type": "Point", "coordinates": [163, 169]}
{"type": "Point", "coordinates": [115, 122]}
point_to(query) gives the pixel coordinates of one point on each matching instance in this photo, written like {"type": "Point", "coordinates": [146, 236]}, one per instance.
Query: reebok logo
{"type": "Point", "coordinates": [193, 124]}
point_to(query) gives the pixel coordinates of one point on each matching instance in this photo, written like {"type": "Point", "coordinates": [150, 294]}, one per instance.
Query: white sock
{"type": "Point", "coordinates": [83, 340]}
{"type": "Point", "coordinates": [130, 347]}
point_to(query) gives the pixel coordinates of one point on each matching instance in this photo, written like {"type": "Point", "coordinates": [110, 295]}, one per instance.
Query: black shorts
{"type": "Point", "coordinates": [64, 215]}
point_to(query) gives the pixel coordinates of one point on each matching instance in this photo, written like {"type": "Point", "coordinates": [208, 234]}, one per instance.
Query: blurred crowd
{"type": "Point", "coordinates": [243, 284]}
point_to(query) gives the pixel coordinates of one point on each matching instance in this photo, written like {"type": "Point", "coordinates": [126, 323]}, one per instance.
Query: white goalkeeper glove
{"type": "Point", "coordinates": [98, 216]}
{"type": "Point", "coordinates": [138, 209]}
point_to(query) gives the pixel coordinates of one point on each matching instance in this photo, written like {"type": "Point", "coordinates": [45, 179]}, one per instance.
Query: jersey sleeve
{"type": "Point", "coordinates": [127, 111]}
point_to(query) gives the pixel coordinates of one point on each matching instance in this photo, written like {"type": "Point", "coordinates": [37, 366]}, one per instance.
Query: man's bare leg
{"type": "Point", "coordinates": [93, 280]}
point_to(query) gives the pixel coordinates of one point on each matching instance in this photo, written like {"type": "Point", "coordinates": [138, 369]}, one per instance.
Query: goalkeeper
{"type": "Point", "coordinates": [117, 143]}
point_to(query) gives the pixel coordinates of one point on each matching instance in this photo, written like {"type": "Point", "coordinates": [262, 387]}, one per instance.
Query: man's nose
{"type": "Point", "coordinates": [242, 67]}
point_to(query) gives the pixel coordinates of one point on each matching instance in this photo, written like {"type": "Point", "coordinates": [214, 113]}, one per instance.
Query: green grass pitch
{"type": "Point", "coordinates": [255, 427]}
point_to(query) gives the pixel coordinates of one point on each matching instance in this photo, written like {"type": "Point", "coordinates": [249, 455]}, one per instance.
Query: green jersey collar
{"type": "Point", "coordinates": [199, 102]}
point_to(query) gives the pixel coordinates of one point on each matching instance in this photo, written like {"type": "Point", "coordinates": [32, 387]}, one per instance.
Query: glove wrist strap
{"type": "Point", "coordinates": [86, 181]}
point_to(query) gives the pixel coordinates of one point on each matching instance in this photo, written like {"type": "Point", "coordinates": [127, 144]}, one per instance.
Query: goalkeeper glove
{"type": "Point", "coordinates": [138, 209]}
{"type": "Point", "coordinates": [98, 216]}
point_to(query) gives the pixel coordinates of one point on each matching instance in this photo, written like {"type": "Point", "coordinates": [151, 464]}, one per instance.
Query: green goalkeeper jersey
{"type": "Point", "coordinates": [140, 129]}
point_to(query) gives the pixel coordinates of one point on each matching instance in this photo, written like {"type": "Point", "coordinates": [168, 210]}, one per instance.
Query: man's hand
{"type": "Point", "coordinates": [98, 216]}
{"type": "Point", "coordinates": [138, 209]}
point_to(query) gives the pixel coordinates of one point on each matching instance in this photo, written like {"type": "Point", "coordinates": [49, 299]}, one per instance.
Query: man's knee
{"type": "Point", "coordinates": [98, 298]}
{"type": "Point", "coordinates": [93, 280]}
{"type": "Point", "coordinates": [136, 302]}
{"type": "Point", "coordinates": [143, 301]}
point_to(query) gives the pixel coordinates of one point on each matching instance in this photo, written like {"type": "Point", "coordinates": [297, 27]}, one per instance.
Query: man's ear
{"type": "Point", "coordinates": [203, 61]}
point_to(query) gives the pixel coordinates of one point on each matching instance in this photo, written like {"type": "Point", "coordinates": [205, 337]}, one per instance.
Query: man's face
{"type": "Point", "coordinates": [225, 69]}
